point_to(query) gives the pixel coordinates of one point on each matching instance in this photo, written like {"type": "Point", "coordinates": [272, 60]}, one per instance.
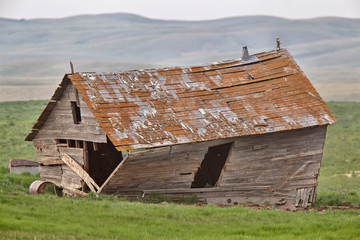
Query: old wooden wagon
{"type": "Point", "coordinates": [245, 130]}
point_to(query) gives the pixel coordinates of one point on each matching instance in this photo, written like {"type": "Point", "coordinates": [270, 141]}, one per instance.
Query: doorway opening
{"type": "Point", "coordinates": [211, 167]}
{"type": "Point", "coordinates": [103, 159]}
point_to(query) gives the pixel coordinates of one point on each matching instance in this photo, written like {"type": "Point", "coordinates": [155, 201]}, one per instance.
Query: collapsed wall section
{"type": "Point", "coordinates": [172, 167]}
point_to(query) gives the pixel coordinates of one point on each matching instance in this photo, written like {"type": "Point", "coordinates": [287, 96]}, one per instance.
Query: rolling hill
{"type": "Point", "coordinates": [37, 52]}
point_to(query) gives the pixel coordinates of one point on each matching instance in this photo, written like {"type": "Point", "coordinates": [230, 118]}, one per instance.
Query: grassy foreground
{"type": "Point", "coordinates": [46, 217]}
{"type": "Point", "coordinates": [24, 216]}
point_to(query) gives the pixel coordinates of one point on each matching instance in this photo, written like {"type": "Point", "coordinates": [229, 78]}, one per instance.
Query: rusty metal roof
{"type": "Point", "coordinates": [266, 93]}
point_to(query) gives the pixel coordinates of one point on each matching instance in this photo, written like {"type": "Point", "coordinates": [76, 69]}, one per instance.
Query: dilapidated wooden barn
{"type": "Point", "coordinates": [249, 129]}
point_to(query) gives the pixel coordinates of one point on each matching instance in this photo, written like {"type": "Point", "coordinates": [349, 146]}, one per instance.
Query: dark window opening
{"type": "Point", "coordinates": [211, 167]}
{"type": "Point", "coordinates": [61, 141]}
{"type": "Point", "coordinates": [71, 143]}
{"type": "Point", "coordinates": [76, 112]}
{"type": "Point", "coordinates": [79, 144]}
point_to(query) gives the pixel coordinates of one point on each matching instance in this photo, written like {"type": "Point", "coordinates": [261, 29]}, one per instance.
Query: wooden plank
{"type": "Point", "coordinates": [49, 161]}
{"type": "Point", "coordinates": [69, 126]}
{"type": "Point", "coordinates": [158, 168]}
{"type": "Point", "coordinates": [153, 152]}
{"type": "Point", "coordinates": [75, 153]}
{"type": "Point", "coordinates": [208, 190]}
{"type": "Point", "coordinates": [297, 172]}
{"type": "Point", "coordinates": [74, 190]}
{"type": "Point", "coordinates": [70, 178]}
{"type": "Point", "coordinates": [80, 171]}
{"type": "Point", "coordinates": [83, 136]}
{"type": "Point", "coordinates": [51, 172]}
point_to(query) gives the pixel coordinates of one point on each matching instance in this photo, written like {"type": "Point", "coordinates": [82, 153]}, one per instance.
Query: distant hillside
{"type": "Point", "coordinates": [38, 51]}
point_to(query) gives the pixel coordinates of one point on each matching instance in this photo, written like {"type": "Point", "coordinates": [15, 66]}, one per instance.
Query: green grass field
{"type": "Point", "coordinates": [339, 179]}
{"type": "Point", "coordinates": [24, 216]}
{"type": "Point", "coordinates": [46, 217]}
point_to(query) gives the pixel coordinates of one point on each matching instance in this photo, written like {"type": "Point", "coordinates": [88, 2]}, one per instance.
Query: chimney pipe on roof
{"type": "Point", "coordinates": [245, 54]}
{"type": "Point", "coordinates": [72, 67]}
{"type": "Point", "coordinates": [277, 44]}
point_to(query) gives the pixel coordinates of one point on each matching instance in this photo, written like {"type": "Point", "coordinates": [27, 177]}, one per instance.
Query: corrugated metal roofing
{"type": "Point", "coordinates": [148, 108]}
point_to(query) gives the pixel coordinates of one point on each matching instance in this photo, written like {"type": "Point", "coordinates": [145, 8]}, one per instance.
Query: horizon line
{"type": "Point", "coordinates": [177, 20]}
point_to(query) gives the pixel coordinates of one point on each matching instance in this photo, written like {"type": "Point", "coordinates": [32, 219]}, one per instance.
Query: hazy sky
{"type": "Point", "coordinates": [180, 9]}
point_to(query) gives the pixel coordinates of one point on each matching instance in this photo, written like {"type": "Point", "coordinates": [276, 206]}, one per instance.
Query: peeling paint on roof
{"type": "Point", "coordinates": [156, 107]}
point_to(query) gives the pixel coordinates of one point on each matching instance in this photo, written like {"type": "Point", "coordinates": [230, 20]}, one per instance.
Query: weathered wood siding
{"type": "Point", "coordinates": [70, 178]}
{"type": "Point", "coordinates": [281, 162]}
{"type": "Point", "coordinates": [47, 151]}
{"type": "Point", "coordinates": [274, 167]}
{"type": "Point", "coordinates": [60, 125]}
{"type": "Point", "coordinates": [167, 167]}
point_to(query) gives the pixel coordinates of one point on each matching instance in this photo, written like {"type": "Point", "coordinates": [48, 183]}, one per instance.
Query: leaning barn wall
{"type": "Point", "coordinates": [274, 168]}
{"type": "Point", "coordinates": [281, 165]}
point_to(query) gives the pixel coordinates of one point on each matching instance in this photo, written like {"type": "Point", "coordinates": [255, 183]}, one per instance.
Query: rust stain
{"type": "Point", "coordinates": [149, 108]}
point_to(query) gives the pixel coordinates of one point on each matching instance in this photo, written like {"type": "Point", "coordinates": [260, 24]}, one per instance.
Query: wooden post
{"type": "Point", "coordinates": [86, 163]}
{"type": "Point", "coordinates": [86, 158]}
{"type": "Point", "coordinates": [96, 146]}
